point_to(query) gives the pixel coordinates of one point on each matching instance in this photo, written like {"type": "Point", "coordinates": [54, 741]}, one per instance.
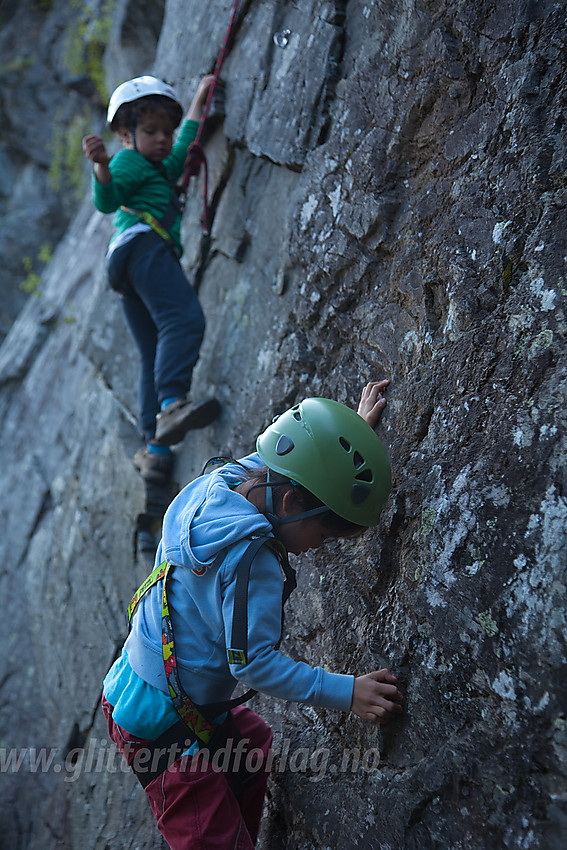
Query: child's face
{"type": "Point", "coordinates": [154, 136]}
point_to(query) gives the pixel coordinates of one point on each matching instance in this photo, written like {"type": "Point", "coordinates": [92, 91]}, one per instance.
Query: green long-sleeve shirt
{"type": "Point", "coordinates": [138, 184]}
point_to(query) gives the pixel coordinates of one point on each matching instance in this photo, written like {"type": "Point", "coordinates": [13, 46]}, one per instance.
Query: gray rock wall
{"type": "Point", "coordinates": [389, 200]}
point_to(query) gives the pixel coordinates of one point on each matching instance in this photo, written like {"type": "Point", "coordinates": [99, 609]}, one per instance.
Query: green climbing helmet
{"type": "Point", "coordinates": [333, 453]}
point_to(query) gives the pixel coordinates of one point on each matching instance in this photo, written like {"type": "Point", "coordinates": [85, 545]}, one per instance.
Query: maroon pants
{"type": "Point", "coordinates": [198, 805]}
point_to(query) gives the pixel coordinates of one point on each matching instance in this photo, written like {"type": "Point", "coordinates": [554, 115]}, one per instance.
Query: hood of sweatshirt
{"type": "Point", "coordinates": [209, 516]}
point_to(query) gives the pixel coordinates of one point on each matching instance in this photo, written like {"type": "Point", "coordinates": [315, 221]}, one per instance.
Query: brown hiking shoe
{"type": "Point", "coordinates": [154, 467]}
{"type": "Point", "coordinates": [181, 416]}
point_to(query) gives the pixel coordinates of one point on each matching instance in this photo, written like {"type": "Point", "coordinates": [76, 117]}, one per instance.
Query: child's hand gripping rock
{"type": "Point", "coordinates": [375, 696]}
{"type": "Point", "coordinates": [372, 403]}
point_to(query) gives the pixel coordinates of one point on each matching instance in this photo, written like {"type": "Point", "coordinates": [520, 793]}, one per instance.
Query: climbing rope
{"type": "Point", "coordinates": [195, 153]}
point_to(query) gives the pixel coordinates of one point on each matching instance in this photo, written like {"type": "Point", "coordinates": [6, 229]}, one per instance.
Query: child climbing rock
{"type": "Point", "coordinates": [161, 308]}
{"type": "Point", "coordinates": [210, 615]}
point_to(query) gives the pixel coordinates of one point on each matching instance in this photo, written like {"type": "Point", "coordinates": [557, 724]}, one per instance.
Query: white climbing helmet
{"type": "Point", "coordinates": [137, 88]}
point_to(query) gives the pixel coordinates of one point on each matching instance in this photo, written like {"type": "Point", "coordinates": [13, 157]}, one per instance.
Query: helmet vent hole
{"type": "Point", "coordinates": [345, 444]}
{"type": "Point", "coordinates": [284, 445]}
{"type": "Point", "coordinates": [297, 416]}
{"type": "Point", "coordinates": [358, 460]}
{"type": "Point", "coordinates": [365, 475]}
{"type": "Point", "coordinates": [358, 493]}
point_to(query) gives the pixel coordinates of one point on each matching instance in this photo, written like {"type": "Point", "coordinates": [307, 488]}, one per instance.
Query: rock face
{"type": "Point", "coordinates": [388, 198]}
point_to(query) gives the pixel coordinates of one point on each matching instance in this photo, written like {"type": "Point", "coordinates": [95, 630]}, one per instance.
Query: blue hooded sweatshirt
{"type": "Point", "coordinates": [207, 517]}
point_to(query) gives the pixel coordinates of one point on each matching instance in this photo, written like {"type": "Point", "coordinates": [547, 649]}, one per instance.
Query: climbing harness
{"type": "Point", "coordinates": [196, 724]}
{"type": "Point", "coordinates": [157, 225]}
{"type": "Point", "coordinates": [118, 260]}
{"type": "Point", "coordinates": [195, 153]}
{"type": "Point", "coordinates": [162, 225]}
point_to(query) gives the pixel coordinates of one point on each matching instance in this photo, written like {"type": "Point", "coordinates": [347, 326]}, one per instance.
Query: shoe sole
{"type": "Point", "coordinates": [197, 417]}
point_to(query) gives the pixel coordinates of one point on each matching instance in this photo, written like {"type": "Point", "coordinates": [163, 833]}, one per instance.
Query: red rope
{"type": "Point", "coordinates": [195, 153]}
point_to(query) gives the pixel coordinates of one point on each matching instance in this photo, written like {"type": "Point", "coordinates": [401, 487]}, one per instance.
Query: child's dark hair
{"type": "Point", "coordinates": [130, 113]}
{"type": "Point", "coordinates": [336, 525]}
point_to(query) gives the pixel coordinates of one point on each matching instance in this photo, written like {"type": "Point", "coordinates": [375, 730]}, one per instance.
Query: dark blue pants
{"type": "Point", "coordinates": [166, 321]}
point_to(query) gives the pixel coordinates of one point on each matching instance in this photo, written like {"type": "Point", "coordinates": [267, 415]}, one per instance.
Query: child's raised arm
{"type": "Point", "coordinates": [372, 404]}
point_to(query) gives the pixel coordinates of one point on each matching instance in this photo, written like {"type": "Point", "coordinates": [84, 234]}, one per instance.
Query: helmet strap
{"type": "Point", "coordinates": [276, 520]}
{"type": "Point", "coordinates": [132, 128]}
{"type": "Point", "coordinates": [296, 517]}
{"type": "Point", "coordinates": [269, 495]}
